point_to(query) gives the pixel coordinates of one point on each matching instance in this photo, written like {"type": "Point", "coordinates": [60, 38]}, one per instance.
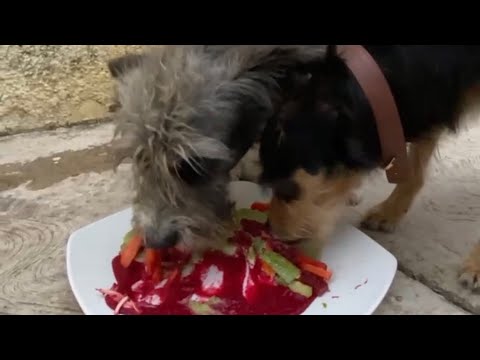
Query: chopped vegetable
{"type": "Point", "coordinates": [319, 271]}
{"type": "Point", "coordinates": [301, 289]}
{"type": "Point", "coordinates": [199, 308]}
{"type": "Point", "coordinates": [275, 263]}
{"type": "Point", "coordinates": [252, 269]}
{"type": "Point", "coordinates": [263, 207]}
{"type": "Point", "coordinates": [120, 305]}
{"type": "Point", "coordinates": [282, 267]}
{"type": "Point", "coordinates": [266, 279]}
{"type": "Point", "coordinates": [153, 263]}
{"type": "Point", "coordinates": [259, 245]}
{"type": "Point", "coordinates": [135, 307]}
{"type": "Point", "coordinates": [203, 306]}
{"type": "Point", "coordinates": [280, 281]}
{"type": "Point", "coordinates": [131, 250]}
{"type": "Point", "coordinates": [249, 214]}
{"type": "Point", "coordinates": [251, 257]}
{"type": "Point", "coordinates": [248, 285]}
{"type": "Point", "coordinates": [268, 240]}
{"type": "Point", "coordinates": [115, 295]}
{"type": "Point", "coordinates": [128, 237]}
{"type": "Point", "coordinates": [268, 269]}
{"type": "Point", "coordinates": [304, 259]}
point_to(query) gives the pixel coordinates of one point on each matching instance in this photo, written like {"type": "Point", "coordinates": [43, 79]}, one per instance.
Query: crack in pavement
{"type": "Point", "coordinates": [448, 295]}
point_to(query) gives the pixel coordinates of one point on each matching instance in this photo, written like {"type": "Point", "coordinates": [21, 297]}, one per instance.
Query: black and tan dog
{"type": "Point", "coordinates": [188, 114]}
{"type": "Point", "coordinates": [324, 139]}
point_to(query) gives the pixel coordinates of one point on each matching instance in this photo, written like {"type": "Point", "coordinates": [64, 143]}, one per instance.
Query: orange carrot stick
{"type": "Point", "coordinates": [303, 259]}
{"type": "Point", "coordinates": [268, 269]}
{"type": "Point", "coordinates": [319, 271]}
{"type": "Point", "coordinates": [130, 251]}
{"type": "Point", "coordinates": [153, 263]}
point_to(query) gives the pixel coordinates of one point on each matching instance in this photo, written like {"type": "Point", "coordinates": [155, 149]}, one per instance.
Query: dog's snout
{"type": "Point", "coordinates": [156, 240]}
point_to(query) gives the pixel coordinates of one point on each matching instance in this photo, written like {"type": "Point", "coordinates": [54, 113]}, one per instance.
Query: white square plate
{"type": "Point", "coordinates": [363, 270]}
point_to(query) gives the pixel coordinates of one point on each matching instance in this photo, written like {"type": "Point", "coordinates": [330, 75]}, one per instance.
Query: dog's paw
{"type": "Point", "coordinates": [470, 273]}
{"type": "Point", "coordinates": [353, 199]}
{"type": "Point", "coordinates": [382, 218]}
{"type": "Point", "coordinates": [470, 279]}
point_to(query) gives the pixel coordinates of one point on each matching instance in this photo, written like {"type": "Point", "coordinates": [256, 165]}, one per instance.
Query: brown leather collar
{"type": "Point", "coordinates": [379, 94]}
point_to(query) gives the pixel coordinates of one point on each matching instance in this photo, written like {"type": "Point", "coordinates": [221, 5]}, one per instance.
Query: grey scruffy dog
{"type": "Point", "coordinates": [187, 115]}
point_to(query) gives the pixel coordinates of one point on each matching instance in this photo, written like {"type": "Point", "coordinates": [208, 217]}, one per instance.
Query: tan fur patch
{"type": "Point", "coordinates": [313, 216]}
{"type": "Point", "coordinates": [470, 275]}
{"type": "Point", "coordinates": [470, 106]}
{"type": "Point", "coordinates": [473, 262]}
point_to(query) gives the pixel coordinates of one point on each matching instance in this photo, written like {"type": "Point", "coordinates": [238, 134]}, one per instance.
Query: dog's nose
{"type": "Point", "coordinates": [171, 239]}
{"type": "Point", "coordinates": [155, 240]}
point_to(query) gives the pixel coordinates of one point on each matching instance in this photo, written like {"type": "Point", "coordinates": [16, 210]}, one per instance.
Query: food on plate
{"type": "Point", "coordinates": [253, 274]}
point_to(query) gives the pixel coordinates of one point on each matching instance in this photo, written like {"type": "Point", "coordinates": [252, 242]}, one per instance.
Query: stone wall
{"type": "Point", "coordinates": [54, 85]}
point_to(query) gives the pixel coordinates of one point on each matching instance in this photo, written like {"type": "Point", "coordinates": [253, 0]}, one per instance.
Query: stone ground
{"type": "Point", "coordinates": [53, 182]}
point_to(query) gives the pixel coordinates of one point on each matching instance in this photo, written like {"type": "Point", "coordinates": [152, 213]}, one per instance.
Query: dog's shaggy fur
{"type": "Point", "coordinates": [323, 141]}
{"type": "Point", "coordinates": [187, 115]}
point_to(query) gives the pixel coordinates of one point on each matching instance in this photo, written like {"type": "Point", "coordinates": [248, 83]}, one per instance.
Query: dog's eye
{"type": "Point", "coordinates": [287, 190]}
{"type": "Point", "coordinates": [190, 173]}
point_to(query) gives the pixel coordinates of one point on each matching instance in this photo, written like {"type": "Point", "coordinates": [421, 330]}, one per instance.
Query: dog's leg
{"type": "Point", "coordinates": [388, 214]}
{"type": "Point", "coordinates": [470, 273]}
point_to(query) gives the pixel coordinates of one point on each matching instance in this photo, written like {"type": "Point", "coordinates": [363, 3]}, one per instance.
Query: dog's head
{"type": "Point", "coordinates": [316, 148]}
{"type": "Point", "coordinates": [187, 115]}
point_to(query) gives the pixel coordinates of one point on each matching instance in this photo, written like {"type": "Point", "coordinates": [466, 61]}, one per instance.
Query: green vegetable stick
{"type": "Point", "coordinates": [301, 289]}
{"type": "Point", "coordinates": [259, 245]}
{"type": "Point", "coordinates": [287, 271]}
{"type": "Point", "coordinates": [249, 214]}
{"type": "Point", "coordinates": [199, 308]}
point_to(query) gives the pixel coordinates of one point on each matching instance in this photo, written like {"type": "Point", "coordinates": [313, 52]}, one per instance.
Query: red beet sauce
{"type": "Point", "coordinates": [239, 287]}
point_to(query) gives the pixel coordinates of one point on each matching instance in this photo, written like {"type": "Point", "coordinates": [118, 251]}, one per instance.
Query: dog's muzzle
{"type": "Point", "coordinates": [155, 240]}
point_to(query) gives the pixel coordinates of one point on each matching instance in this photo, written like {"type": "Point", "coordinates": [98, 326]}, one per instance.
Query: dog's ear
{"type": "Point", "coordinates": [120, 65]}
